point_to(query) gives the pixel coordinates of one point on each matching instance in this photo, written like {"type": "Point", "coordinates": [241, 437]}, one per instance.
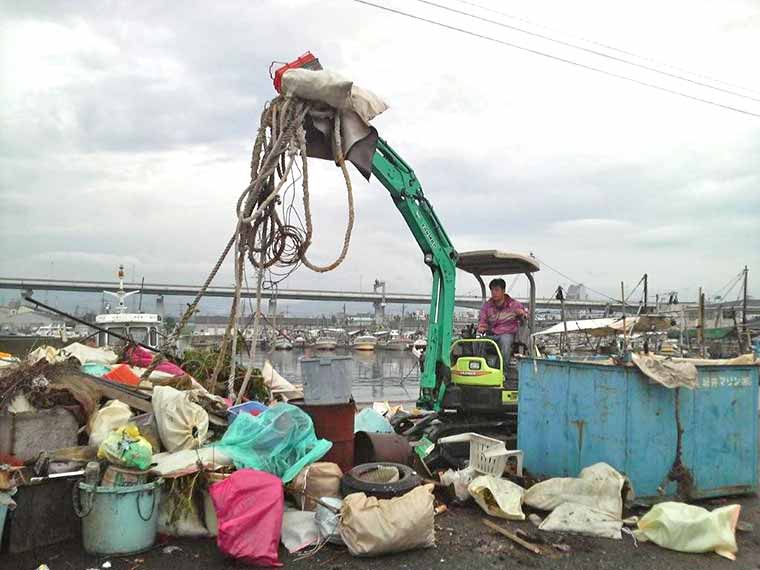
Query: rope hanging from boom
{"type": "Point", "coordinates": [261, 235]}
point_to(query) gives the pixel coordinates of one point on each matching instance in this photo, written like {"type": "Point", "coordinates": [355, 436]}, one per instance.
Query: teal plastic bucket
{"type": "Point", "coordinates": [118, 520]}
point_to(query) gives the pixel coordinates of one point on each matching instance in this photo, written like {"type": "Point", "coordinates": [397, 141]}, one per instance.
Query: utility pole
{"type": "Point", "coordinates": [560, 296]}
{"type": "Point", "coordinates": [701, 325]}
{"type": "Point", "coordinates": [744, 300]}
{"type": "Point", "coordinates": [646, 292]}
{"type": "Point", "coordinates": [745, 334]}
{"type": "Point", "coordinates": [625, 333]}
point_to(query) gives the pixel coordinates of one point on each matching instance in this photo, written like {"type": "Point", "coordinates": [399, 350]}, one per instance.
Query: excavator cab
{"type": "Point", "coordinates": [481, 380]}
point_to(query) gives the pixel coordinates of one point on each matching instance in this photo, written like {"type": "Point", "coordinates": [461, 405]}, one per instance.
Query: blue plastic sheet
{"type": "Point", "coordinates": [370, 421]}
{"type": "Point", "coordinates": [280, 441]}
{"type": "Point", "coordinates": [95, 369]}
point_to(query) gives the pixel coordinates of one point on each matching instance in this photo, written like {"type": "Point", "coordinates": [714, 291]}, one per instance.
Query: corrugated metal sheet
{"type": "Point", "coordinates": [573, 414]}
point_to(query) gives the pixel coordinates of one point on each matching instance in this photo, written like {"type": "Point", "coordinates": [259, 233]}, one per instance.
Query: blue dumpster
{"type": "Point", "coordinates": [573, 414]}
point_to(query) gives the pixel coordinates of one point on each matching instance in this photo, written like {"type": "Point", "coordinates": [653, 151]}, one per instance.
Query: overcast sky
{"type": "Point", "coordinates": [127, 126]}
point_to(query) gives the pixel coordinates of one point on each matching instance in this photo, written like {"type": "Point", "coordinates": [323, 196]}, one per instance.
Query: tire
{"type": "Point", "coordinates": [352, 481]}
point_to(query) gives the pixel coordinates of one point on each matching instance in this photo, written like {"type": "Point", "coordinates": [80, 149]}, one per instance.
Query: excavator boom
{"type": "Point", "coordinates": [439, 254]}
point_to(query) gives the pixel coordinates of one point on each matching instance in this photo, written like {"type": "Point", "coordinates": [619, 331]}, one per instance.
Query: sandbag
{"type": "Point", "coordinates": [176, 416]}
{"type": "Point", "coordinates": [299, 530]}
{"type": "Point", "coordinates": [113, 415]}
{"type": "Point", "coordinates": [688, 528]}
{"type": "Point", "coordinates": [581, 519]}
{"type": "Point", "coordinates": [281, 441]}
{"type": "Point", "coordinates": [249, 507]}
{"type": "Point", "coordinates": [598, 486]}
{"type": "Point", "coordinates": [126, 448]}
{"type": "Point", "coordinates": [321, 479]}
{"type": "Point", "coordinates": [371, 526]}
{"type": "Point", "coordinates": [498, 497]}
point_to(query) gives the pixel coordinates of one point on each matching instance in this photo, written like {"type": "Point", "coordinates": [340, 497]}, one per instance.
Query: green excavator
{"type": "Point", "coordinates": [470, 374]}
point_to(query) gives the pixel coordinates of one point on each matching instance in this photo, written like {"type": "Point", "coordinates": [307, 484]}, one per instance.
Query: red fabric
{"type": "Point", "coordinates": [249, 506]}
{"type": "Point", "coordinates": [138, 356]}
{"type": "Point", "coordinates": [123, 375]}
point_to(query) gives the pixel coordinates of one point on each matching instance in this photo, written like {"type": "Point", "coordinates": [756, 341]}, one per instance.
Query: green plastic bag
{"type": "Point", "coordinates": [127, 448]}
{"type": "Point", "coordinates": [280, 441]}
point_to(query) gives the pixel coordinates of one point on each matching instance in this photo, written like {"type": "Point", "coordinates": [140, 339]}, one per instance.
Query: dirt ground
{"type": "Point", "coordinates": [463, 542]}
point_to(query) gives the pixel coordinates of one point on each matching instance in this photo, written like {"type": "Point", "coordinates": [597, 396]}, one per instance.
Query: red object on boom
{"type": "Point", "coordinates": [307, 61]}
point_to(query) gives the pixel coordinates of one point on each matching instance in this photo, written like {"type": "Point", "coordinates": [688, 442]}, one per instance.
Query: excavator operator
{"type": "Point", "coordinates": [500, 317]}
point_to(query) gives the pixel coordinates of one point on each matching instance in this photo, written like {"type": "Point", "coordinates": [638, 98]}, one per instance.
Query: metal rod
{"type": "Point", "coordinates": [142, 286]}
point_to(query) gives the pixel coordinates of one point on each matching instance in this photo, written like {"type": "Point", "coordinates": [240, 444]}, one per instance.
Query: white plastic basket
{"type": "Point", "coordinates": [487, 455]}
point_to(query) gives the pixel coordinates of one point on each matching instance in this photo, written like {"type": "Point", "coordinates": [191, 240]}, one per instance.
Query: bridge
{"type": "Point", "coordinates": [472, 302]}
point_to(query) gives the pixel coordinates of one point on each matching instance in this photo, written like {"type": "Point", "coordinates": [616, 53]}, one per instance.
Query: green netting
{"type": "Point", "coordinates": [280, 441]}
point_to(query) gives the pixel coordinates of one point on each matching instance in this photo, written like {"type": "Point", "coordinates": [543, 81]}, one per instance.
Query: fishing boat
{"type": "Point", "coordinates": [283, 343]}
{"type": "Point", "coordinates": [140, 327]}
{"type": "Point", "coordinates": [326, 340]}
{"type": "Point", "coordinates": [299, 342]}
{"type": "Point", "coordinates": [365, 342]}
{"type": "Point", "coordinates": [56, 330]}
{"type": "Point", "coordinates": [396, 342]}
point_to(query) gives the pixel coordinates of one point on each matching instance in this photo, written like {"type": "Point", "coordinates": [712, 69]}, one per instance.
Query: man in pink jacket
{"type": "Point", "coordinates": [500, 317]}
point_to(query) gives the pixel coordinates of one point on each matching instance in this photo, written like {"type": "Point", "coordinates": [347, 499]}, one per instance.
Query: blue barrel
{"type": "Point", "coordinates": [118, 520]}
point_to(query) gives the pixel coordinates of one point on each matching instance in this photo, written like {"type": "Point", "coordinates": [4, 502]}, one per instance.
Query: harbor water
{"type": "Point", "coordinates": [378, 375]}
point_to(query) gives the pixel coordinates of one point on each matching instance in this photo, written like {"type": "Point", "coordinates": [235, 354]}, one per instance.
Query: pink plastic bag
{"type": "Point", "coordinates": [138, 356]}
{"type": "Point", "coordinates": [249, 506]}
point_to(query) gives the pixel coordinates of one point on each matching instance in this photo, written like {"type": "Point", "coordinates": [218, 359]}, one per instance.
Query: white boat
{"type": "Point", "coordinates": [140, 327]}
{"type": "Point", "coordinates": [365, 342]}
{"type": "Point", "coordinates": [56, 330]}
{"type": "Point", "coordinates": [283, 343]}
{"type": "Point", "coordinates": [325, 343]}
{"type": "Point", "coordinates": [396, 342]}
{"type": "Point", "coordinates": [299, 342]}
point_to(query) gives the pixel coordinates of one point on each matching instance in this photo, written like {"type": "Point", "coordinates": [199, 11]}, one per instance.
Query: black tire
{"type": "Point", "coordinates": [352, 481]}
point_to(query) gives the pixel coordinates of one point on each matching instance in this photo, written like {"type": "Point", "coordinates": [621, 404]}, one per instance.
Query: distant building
{"type": "Point", "coordinates": [19, 320]}
{"type": "Point", "coordinates": [576, 293]}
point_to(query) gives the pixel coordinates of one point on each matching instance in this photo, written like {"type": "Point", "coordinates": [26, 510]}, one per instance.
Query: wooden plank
{"type": "Point", "coordinates": [513, 537]}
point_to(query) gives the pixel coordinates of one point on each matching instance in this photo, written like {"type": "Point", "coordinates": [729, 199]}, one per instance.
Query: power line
{"type": "Point", "coordinates": [574, 281]}
{"type": "Point", "coordinates": [609, 47]}
{"type": "Point", "coordinates": [592, 51]}
{"type": "Point", "coordinates": [550, 56]}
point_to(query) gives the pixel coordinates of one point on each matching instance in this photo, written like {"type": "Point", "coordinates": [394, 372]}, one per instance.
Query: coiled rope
{"type": "Point", "coordinates": [260, 234]}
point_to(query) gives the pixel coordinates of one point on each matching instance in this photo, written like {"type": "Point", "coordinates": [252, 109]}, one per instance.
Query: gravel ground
{"type": "Point", "coordinates": [463, 543]}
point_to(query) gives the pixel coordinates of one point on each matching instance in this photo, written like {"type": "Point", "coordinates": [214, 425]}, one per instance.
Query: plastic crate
{"type": "Point", "coordinates": [253, 407]}
{"type": "Point", "coordinates": [487, 455]}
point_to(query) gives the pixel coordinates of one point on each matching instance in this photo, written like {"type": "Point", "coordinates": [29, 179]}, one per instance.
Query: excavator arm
{"type": "Point", "coordinates": [439, 254]}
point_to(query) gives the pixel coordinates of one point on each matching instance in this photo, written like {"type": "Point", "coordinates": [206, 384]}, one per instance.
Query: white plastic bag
{"type": "Point", "coordinates": [176, 416]}
{"type": "Point", "coordinates": [108, 418]}
{"type": "Point", "coordinates": [460, 480]}
{"type": "Point", "coordinates": [687, 528]}
{"type": "Point", "coordinates": [498, 497]}
{"type": "Point", "coordinates": [581, 519]}
{"type": "Point", "coordinates": [598, 486]}
{"type": "Point", "coordinates": [327, 521]}
{"type": "Point", "coordinates": [299, 530]}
